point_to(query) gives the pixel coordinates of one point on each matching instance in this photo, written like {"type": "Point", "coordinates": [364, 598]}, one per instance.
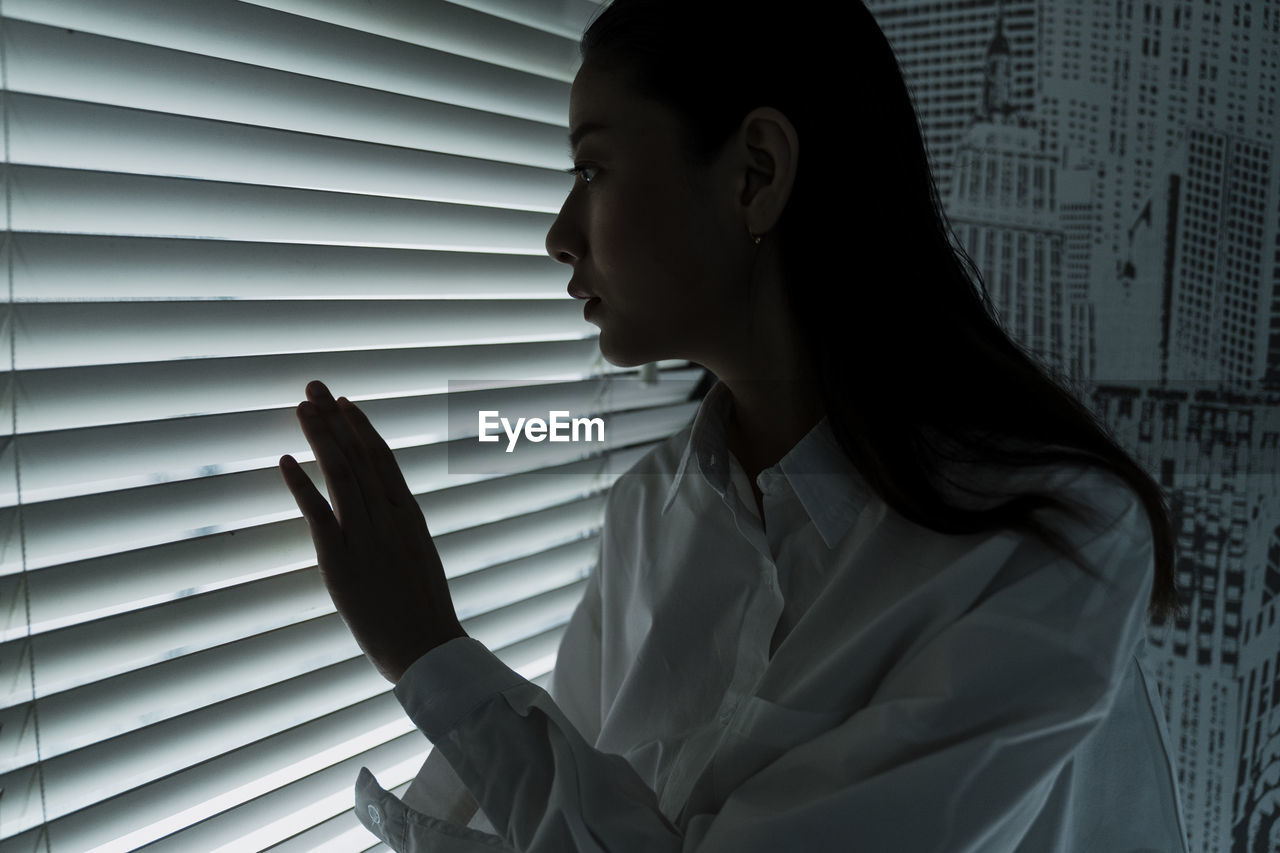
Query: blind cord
{"type": "Point", "coordinates": [13, 436]}
{"type": "Point", "coordinates": [602, 406]}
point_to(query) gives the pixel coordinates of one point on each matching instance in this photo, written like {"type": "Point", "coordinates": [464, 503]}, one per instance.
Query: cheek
{"type": "Point", "coordinates": [651, 248]}
{"type": "Point", "coordinates": [676, 240]}
{"type": "Point", "coordinates": [644, 246]}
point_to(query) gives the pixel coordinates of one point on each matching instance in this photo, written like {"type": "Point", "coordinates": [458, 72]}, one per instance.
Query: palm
{"type": "Point", "coordinates": [374, 551]}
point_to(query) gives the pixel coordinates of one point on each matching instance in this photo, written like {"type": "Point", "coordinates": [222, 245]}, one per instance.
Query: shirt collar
{"type": "Point", "coordinates": [827, 484]}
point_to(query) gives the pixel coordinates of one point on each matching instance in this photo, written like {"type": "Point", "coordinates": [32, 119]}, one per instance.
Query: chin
{"type": "Point", "coordinates": [625, 356]}
{"type": "Point", "coordinates": [623, 360]}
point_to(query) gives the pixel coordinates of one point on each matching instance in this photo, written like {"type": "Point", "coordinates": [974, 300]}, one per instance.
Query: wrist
{"type": "Point", "coordinates": [431, 644]}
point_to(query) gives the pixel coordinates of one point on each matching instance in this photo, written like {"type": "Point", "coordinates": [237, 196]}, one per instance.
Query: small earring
{"type": "Point", "coordinates": [755, 238]}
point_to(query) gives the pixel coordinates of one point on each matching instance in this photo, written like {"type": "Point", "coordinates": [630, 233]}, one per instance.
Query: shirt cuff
{"type": "Point", "coordinates": [446, 684]}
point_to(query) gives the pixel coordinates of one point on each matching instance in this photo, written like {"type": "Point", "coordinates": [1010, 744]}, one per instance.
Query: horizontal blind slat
{"type": "Point", "coordinates": [72, 593]}
{"type": "Point", "coordinates": [246, 749]}
{"type": "Point", "coordinates": [97, 525]}
{"type": "Point", "coordinates": [324, 792]}
{"type": "Point", "coordinates": [94, 525]}
{"type": "Point", "coordinates": [256, 37]}
{"type": "Point", "coordinates": [68, 463]}
{"type": "Point", "coordinates": [62, 267]}
{"type": "Point", "coordinates": [568, 18]}
{"type": "Point", "coordinates": [74, 135]}
{"type": "Point", "coordinates": [543, 41]}
{"type": "Point", "coordinates": [77, 655]}
{"type": "Point", "coordinates": [229, 767]}
{"type": "Point", "coordinates": [51, 62]}
{"type": "Point", "coordinates": [69, 201]}
{"type": "Point", "coordinates": [189, 666]}
{"type": "Point", "coordinates": [80, 592]}
{"type": "Point", "coordinates": [125, 702]}
{"type": "Point", "coordinates": [270, 816]}
{"type": "Point", "coordinates": [82, 397]}
{"type": "Point", "coordinates": [77, 334]}
{"type": "Point", "coordinates": [116, 704]}
{"type": "Point", "coordinates": [88, 831]}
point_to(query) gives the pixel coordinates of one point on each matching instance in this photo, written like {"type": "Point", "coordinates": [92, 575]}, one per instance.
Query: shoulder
{"type": "Point", "coordinates": [1111, 503]}
{"type": "Point", "coordinates": [1113, 538]}
{"type": "Point", "coordinates": [1018, 570]}
{"type": "Point", "coordinates": [1101, 500]}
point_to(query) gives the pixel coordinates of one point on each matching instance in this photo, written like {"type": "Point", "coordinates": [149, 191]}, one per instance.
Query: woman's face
{"type": "Point", "coordinates": [656, 242]}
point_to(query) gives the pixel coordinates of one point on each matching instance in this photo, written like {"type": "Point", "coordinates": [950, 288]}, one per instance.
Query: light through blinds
{"type": "Point", "coordinates": [207, 205]}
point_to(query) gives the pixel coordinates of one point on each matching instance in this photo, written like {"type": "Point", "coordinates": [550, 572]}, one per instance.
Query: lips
{"type": "Point", "coordinates": [578, 293]}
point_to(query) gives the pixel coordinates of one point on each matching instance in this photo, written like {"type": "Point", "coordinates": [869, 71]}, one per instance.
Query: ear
{"type": "Point", "coordinates": [771, 150]}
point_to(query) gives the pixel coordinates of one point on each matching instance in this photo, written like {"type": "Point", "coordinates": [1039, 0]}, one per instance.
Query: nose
{"type": "Point", "coordinates": [564, 241]}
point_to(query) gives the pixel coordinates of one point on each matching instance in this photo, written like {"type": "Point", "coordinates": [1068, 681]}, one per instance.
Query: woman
{"type": "Point", "coordinates": [887, 592]}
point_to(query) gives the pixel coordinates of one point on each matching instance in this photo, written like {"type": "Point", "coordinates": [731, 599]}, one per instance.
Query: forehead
{"type": "Point", "coordinates": [601, 102]}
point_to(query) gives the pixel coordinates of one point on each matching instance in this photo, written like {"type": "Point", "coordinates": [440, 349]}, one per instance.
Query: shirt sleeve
{"type": "Point", "coordinates": [956, 752]}
{"type": "Point", "coordinates": [575, 684]}
{"type": "Point", "coordinates": [574, 687]}
{"type": "Point", "coordinates": [437, 790]}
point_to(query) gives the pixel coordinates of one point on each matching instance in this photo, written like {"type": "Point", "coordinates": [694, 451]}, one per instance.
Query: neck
{"type": "Point", "coordinates": [767, 418]}
{"type": "Point", "coordinates": [761, 358]}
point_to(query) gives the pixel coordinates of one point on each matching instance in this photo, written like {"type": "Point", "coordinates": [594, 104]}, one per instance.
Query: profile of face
{"type": "Point", "coordinates": [661, 244]}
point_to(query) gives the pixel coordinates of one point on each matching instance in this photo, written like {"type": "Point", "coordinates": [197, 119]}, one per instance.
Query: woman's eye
{"type": "Point", "coordinates": [581, 172]}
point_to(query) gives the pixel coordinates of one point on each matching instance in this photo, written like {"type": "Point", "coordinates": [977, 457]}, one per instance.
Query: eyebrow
{"type": "Point", "coordinates": [582, 130]}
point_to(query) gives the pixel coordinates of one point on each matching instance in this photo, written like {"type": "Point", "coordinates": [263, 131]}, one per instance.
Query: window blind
{"type": "Point", "coordinates": [207, 205]}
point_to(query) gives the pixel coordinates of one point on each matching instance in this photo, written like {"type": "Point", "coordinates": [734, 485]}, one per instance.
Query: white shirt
{"type": "Point", "coordinates": [838, 679]}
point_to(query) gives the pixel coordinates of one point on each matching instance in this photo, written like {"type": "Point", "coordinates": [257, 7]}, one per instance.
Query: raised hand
{"type": "Point", "coordinates": [374, 551]}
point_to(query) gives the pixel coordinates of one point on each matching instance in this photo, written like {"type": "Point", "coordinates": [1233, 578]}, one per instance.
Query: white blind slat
{"type": "Point", "coordinates": [76, 334]}
{"type": "Point", "coordinates": [74, 135]}
{"type": "Point", "coordinates": [109, 458]}
{"type": "Point", "coordinates": [62, 200]}
{"type": "Point", "coordinates": [437, 51]}
{"type": "Point", "coordinates": [89, 526]}
{"type": "Point", "coordinates": [327, 793]}
{"type": "Point", "coordinates": [76, 718]}
{"type": "Point", "coordinates": [255, 37]}
{"type": "Point", "coordinates": [107, 707]}
{"type": "Point", "coordinates": [96, 267]}
{"type": "Point", "coordinates": [566, 18]}
{"type": "Point", "coordinates": [53, 62]}
{"type": "Point", "coordinates": [83, 397]}
{"type": "Point", "coordinates": [236, 778]}
{"type": "Point", "coordinates": [206, 206]}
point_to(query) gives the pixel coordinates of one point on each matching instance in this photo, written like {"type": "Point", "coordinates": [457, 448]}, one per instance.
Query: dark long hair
{"type": "Point", "coordinates": [919, 372]}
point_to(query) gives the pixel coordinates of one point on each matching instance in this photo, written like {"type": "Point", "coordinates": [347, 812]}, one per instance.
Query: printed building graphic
{"type": "Point", "coordinates": [1215, 454]}
{"type": "Point", "coordinates": [940, 45]}
{"type": "Point", "coordinates": [1110, 166]}
{"type": "Point", "coordinates": [1202, 249]}
{"type": "Point", "coordinates": [1203, 252]}
{"type": "Point", "coordinates": [1003, 208]}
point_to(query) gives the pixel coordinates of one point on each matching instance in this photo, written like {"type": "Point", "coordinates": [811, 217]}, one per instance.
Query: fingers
{"type": "Point", "coordinates": [324, 529]}
{"type": "Point", "coordinates": [340, 458]}
{"type": "Point", "coordinates": [394, 486]}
